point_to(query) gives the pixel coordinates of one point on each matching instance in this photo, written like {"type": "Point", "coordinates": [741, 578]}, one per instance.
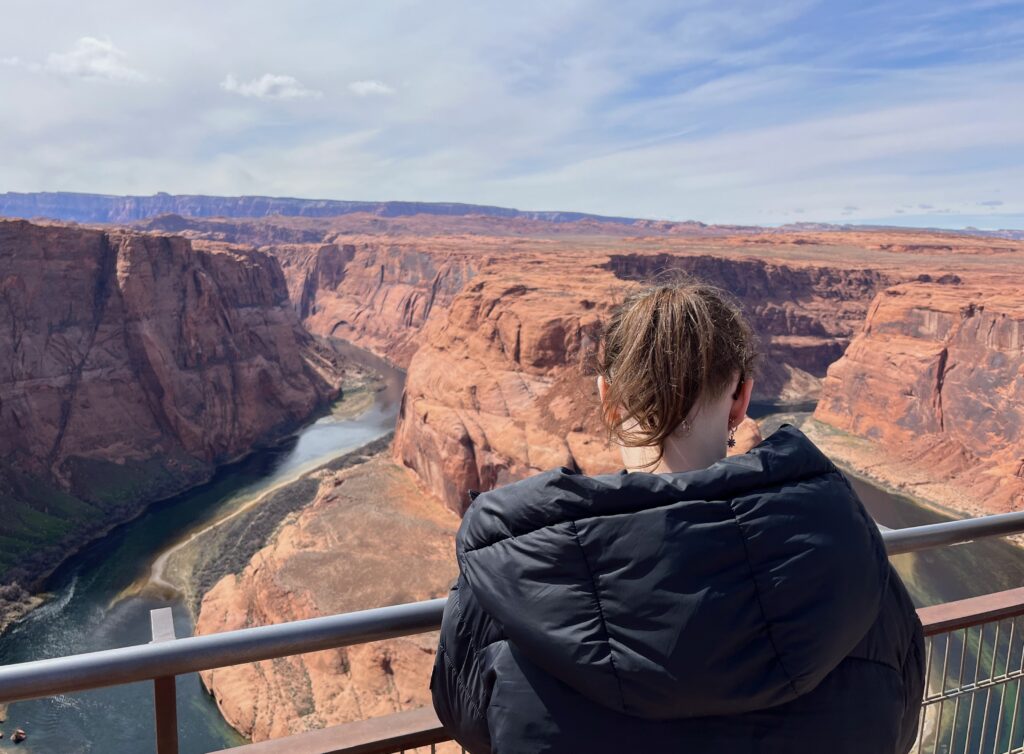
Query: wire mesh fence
{"type": "Point", "coordinates": [973, 687]}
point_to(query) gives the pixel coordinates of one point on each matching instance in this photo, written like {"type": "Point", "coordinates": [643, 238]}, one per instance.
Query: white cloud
{"type": "Point", "coordinates": [89, 58]}
{"type": "Point", "coordinates": [370, 87]}
{"type": "Point", "coordinates": [93, 59]}
{"type": "Point", "coordinates": [269, 86]}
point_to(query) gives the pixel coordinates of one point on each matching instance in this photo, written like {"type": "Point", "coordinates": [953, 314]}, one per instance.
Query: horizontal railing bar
{"type": "Point", "coordinates": [113, 667]}
{"type": "Point", "coordinates": [973, 611]}
{"type": "Point", "coordinates": [397, 731]}
{"type": "Point", "coordinates": [970, 688]}
{"type": "Point", "coordinates": [899, 541]}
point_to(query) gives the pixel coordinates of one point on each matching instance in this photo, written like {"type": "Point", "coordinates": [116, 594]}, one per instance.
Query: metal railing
{"type": "Point", "coordinates": [167, 657]}
{"type": "Point", "coordinates": [974, 676]}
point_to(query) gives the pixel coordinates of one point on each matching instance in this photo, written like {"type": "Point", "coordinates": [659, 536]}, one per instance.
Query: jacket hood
{"type": "Point", "coordinates": [719, 591]}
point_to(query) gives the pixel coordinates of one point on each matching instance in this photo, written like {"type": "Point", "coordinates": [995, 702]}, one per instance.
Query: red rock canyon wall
{"type": "Point", "coordinates": [130, 365]}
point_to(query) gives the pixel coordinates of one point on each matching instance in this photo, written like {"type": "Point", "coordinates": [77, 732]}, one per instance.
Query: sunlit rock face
{"type": "Point", "coordinates": [501, 385]}
{"type": "Point", "coordinates": [376, 294]}
{"type": "Point", "coordinates": [330, 559]}
{"type": "Point", "coordinates": [936, 378]}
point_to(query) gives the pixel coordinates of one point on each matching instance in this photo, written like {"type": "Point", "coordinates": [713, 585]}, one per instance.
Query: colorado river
{"type": "Point", "coordinates": [87, 613]}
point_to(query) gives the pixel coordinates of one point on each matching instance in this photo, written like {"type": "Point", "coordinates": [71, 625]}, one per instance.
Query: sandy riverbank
{"type": "Point", "coordinates": [12, 610]}
{"type": "Point", "coordinates": [225, 546]}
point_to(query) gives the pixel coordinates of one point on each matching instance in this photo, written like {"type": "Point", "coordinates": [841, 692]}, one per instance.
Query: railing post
{"type": "Point", "coordinates": [165, 701]}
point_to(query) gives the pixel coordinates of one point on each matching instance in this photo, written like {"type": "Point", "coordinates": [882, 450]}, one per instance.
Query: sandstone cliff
{"type": "Point", "coordinates": [130, 365]}
{"type": "Point", "coordinates": [373, 293]}
{"type": "Point", "coordinates": [329, 559]}
{"type": "Point", "coordinates": [935, 382]}
{"type": "Point", "coordinates": [500, 386]}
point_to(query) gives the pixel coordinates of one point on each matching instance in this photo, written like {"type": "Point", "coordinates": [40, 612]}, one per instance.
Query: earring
{"type": "Point", "coordinates": [731, 442]}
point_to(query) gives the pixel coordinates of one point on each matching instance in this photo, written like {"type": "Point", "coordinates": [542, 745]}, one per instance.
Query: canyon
{"type": "Point", "coordinates": [497, 331]}
{"type": "Point", "coordinates": [497, 336]}
{"type": "Point", "coordinates": [133, 365]}
{"type": "Point", "coordinates": [910, 343]}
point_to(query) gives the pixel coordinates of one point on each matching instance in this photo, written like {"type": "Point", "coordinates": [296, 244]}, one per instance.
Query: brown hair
{"type": "Point", "coordinates": [667, 349]}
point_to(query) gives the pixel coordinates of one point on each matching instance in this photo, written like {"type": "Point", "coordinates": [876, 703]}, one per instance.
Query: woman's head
{"type": "Point", "coordinates": [672, 356]}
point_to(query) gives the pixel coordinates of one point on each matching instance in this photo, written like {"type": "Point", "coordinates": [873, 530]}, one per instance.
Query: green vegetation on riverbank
{"type": "Point", "coordinates": [43, 523]}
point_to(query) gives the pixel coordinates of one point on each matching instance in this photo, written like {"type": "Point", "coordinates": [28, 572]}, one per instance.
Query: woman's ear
{"type": "Point", "coordinates": [602, 388]}
{"type": "Point", "coordinates": [741, 402]}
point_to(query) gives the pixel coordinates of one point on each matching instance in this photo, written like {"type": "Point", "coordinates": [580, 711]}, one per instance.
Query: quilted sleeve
{"type": "Point", "coordinates": [460, 683]}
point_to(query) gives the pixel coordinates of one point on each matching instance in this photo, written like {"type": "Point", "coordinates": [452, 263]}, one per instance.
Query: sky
{"type": "Point", "coordinates": [725, 111]}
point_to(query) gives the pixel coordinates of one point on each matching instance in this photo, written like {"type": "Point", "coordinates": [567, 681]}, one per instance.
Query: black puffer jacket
{"type": "Point", "coordinates": [746, 607]}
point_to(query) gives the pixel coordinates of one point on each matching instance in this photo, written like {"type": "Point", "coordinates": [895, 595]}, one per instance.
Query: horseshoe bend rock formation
{"type": "Point", "coordinates": [497, 390]}
{"type": "Point", "coordinates": [329, 559]}
{"type": "Point", "coordinates": [477, 414]}
{"type": "Point", "coordinates": [130, 365]}
{"type": "Point", "coordinates": [406, 289]}
{"type": "Point", "coordinates": [935, 382]}
{"type": "Point", "coordinates": [499, 387]}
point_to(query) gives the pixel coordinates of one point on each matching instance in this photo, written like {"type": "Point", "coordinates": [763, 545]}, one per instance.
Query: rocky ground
{"type": "Point", "coordinates": [372, 537]}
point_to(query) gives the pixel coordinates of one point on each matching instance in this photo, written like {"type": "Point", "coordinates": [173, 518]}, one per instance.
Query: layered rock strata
{"type": "Point", "coordinates": [935, 383]}
{"type": "Point", "coordinates": [330, 559]}
{"type": "Point", "coordinates": [500, 387]}
{"type": "Point", "coordinates": [373, 293]}
{"type": "Point", "coordinates": [130, 366]}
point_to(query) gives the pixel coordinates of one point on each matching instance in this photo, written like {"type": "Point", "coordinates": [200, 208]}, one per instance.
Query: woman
{"type": "Point", "coordinates": [692, 602]}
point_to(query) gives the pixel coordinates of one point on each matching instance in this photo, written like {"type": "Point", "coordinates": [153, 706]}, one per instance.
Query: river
{"type": "Point", "coordinates": [87, 611]}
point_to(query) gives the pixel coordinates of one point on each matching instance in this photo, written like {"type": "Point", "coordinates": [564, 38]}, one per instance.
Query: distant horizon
{"type": "Point", "coordinates": [907, 222]}
{"type": "Point", "coordinates": [904, 113]}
